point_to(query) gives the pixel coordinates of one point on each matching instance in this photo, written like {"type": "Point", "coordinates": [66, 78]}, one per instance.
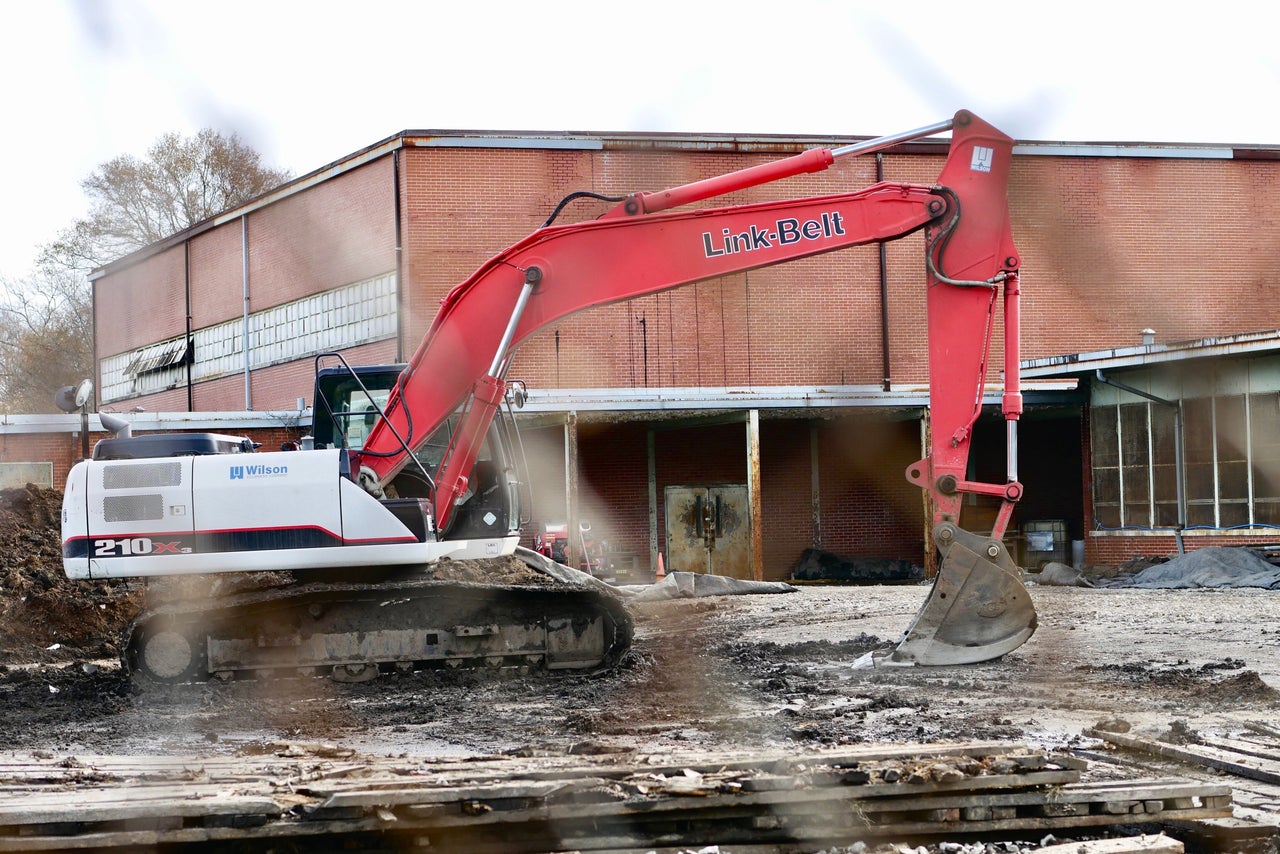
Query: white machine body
{"type": "Point", "coordinates": [238, 513]}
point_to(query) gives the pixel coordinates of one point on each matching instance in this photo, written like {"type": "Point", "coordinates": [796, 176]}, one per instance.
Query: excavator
{"type": "Point", "coordinates": [414, 468]}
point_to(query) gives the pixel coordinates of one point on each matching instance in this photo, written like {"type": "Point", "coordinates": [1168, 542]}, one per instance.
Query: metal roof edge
{"type": "Point", "coordinates": [1147, 354]}
{"type": "Point", "coordinates": [752, 397]}
{"type": "Point", "coordinates": [1166, 151]}
{"type": "Point", "coordinates": [545, 401]}
{"type": "Point", "coordinates": [143, 421]}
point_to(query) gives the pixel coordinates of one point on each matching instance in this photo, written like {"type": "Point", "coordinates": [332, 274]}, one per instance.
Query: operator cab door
{"type": "Point", "coordinates": [708, 530]}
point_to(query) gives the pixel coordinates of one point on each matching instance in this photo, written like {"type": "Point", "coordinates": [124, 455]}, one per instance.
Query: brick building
{"type": "Point", "coordinates": [634, 401]}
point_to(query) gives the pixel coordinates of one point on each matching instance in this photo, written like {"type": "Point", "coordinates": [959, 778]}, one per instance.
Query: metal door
{"type": "Point", "coordinates": [708, 530]}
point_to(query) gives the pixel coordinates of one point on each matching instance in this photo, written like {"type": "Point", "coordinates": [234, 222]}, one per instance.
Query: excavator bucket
{"type": "Point", "coordinates": [978, 609]}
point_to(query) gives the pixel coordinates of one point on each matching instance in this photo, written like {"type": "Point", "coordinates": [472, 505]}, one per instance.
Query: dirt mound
{"type": "Point", "coordinates": [40, 607]}
{"type": "Point", "coordinates": [501, 570]}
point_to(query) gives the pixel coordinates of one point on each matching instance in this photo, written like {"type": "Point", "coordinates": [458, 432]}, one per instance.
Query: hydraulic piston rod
{"type": "Point", "coordinates": [814, 160]}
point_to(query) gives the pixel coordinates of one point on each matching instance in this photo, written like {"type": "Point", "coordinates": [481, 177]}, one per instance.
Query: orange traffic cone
{"type": "Point", "coordinates": [661, 573]}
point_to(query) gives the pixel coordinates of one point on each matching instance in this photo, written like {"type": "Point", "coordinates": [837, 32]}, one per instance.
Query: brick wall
{"type": "Point", "coordinates": [1110, 246]}
{"type": "Point", "coordinates": [141, 304]}
{"type": "Point", "coordinates": [1112, 548]}
{"type": "Point", "coordinates": [336, 233]}
{"type": "Point", "coordinates": [810, 322]}
{"type": "Point", "coordinates": [217, 276]}
{"type": "Point", "coordinates": [61, 449]}
{"type": "Point", "coordinates": [868, 507]}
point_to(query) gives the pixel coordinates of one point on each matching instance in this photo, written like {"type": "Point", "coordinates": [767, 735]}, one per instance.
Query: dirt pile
{"type": "Point", "coordinates": [45, 616]}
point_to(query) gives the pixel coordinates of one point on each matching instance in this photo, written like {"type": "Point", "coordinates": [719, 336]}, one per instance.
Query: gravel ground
{"type": "Point", "coordinates": [728, 672]}
{"type": "Point", "coordinates": [724, 672]}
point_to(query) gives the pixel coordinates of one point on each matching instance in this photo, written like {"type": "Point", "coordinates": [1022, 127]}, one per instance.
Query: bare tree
{"type": "Point", "coordinates": [46, 319]}
{"type": "Point", "coordinates": [136, 202]}
{"type": "Point", "coordinates": [46, 338]}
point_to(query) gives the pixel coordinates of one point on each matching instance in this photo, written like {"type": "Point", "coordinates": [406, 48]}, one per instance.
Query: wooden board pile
{"type": "Point", "coordinates": [1251, 762]}
{"type": "Point", "coordinates": [324, 797]}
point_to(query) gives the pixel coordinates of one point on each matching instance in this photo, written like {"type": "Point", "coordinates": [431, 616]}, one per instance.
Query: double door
{"type": "Point", "coordinates": [708, 530]}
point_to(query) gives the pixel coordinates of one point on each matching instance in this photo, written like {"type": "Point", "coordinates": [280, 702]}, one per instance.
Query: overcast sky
{"type": "Point", "coordinates": [308, 82]}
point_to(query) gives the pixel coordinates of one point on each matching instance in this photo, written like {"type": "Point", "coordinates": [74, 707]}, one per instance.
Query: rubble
{"type": "Point", "coordinates": [45, 616]}
{"type": "Point", "coordinates": [750, 673]}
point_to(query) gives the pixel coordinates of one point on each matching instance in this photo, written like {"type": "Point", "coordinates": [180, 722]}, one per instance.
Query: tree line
{"type": "Point", "coordinates": [46, 317]}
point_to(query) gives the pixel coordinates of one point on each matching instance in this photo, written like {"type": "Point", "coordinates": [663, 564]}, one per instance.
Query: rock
{"type": "Point", "coordinates": [1113, 725]}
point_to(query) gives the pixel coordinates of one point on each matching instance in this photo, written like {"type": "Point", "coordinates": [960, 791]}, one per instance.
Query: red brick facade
{"type": "Point", "coordinates": [1110, 244]}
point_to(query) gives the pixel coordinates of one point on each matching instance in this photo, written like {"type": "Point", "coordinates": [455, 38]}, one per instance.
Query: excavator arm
{"type": "Point", "coordinates": [635, 250]}
{"type": "Point", "coordinates": [642, 247]}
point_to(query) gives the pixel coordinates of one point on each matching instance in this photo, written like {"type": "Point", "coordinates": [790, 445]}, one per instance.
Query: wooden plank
{"type": "Point", "coordinates": [126, 840]}
{"type": "Point", "coordinates": [825, 801]}
{"type": "Point", "coordinates": [605, 770]}
{"type": "Point", "coordinates": [273, 767]}
{"type": "Point", "coordinates": [1254, 769]}
{"type": "Point", "coordinates": [1262, 729]}
{"type": "Point", "coordinates": [1073, 794]}
{"type": "Point", "coordinates": [74, 810]}
{"type": "Point", "coordinates": [168, 793]}
{"type": "Point", "coordinates": [1243, 746]}
{"type": "Point", "coordinates": [433, 795]}
{"type": "Point", "coordinates": [111, 795]}
{"type": "Point", "coordinates": [908, 829]}
{"type": "Point", "coordinates": [584, 827]}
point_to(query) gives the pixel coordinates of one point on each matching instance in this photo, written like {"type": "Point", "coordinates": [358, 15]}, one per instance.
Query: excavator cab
{"type": "Point", "coordinates": [349, 401]}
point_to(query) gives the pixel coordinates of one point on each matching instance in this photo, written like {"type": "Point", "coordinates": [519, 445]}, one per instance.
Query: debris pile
{"type": "Point", "coordinates": [818, 565]}
{"type": "Point", "coordinates": [45, 616]}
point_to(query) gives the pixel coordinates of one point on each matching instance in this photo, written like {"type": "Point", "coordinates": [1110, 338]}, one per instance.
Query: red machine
{"type": "Point", "coordinates": [432, 449]}
{"type": "Point", "coordinates": [553, 542]}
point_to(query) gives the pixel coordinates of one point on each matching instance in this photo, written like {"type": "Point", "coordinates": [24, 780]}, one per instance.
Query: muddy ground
{"type": "Point", "coordinates": [719, 673]}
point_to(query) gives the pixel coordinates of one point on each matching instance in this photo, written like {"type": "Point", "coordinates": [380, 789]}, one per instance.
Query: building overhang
{"type": "Point", "coordinates": [774, 401]}
{"type": "Point", "coordinates": [1145, 355]}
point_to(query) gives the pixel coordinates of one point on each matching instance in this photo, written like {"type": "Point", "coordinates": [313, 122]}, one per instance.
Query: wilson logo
{"type": "Point", "coordinates": [248, 472]}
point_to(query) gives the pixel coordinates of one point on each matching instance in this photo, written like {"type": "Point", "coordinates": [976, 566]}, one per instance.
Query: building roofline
{"type": "Point", "coordinates": [780, 144]}
{"type": "Point", "coordinates": [1143, 355]}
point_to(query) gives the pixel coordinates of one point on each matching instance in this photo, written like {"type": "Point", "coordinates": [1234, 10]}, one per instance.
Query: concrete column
{"type": "Point", "coordinates": [753, 494]}
{"type": "Point", "coordinates": [651, 456]}
{"type": "Point", "coordinates": [573, 550]}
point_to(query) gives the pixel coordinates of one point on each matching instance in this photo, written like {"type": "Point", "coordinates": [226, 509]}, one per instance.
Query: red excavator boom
{"type": "Point", "coordinates": [636, 250]}
{"type": "Point", "coordinates": [642, 247]}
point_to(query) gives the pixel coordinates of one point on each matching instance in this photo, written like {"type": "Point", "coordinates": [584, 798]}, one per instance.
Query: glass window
{"type": "Point", "coordinates": [1197, 436]}
{"type": "Point", "coordinates": [1231, 473]}
{"type": "Point", "coordinates": [1264, 435]}
{"type": "Point", "coordinates": [1105, 450]}
{"type": "Point", "coordinates": [1232, 441]}
{"type": "Point", "coordinates": [1135, 464]}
